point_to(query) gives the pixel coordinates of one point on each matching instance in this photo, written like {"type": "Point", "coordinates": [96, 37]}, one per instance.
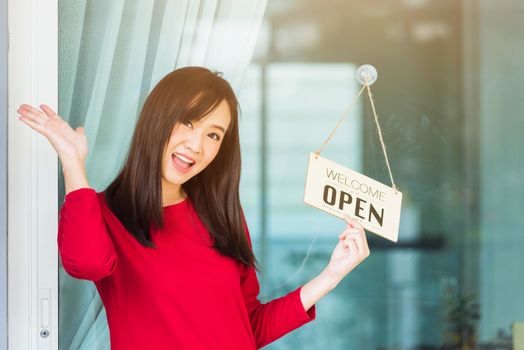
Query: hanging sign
{"type": "Point", "coordinates": [341, 191]}
{"type": "Point", "coordinates": [338, 190]}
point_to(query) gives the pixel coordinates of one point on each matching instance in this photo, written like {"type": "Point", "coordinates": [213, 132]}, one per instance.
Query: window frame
{"type": "Point", "coordinates": [32, 178]}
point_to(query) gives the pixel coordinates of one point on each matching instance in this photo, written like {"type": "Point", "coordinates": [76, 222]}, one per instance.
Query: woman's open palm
{"type": "Point", "coordinates": [69, 144]}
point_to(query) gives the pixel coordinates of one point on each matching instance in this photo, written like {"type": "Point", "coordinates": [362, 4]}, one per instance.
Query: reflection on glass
{"type": "Point", "coordinates": [450, 105]}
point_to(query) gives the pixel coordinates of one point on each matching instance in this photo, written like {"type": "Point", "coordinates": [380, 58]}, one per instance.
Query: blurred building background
{"type": "Point", "coordinates": [449, 98]}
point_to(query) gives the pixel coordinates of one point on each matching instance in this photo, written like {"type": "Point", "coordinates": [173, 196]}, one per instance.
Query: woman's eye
{"type": "Point", "coordinates": [189, 124]}
{"type": "Point", "coordinates": [214, 136]}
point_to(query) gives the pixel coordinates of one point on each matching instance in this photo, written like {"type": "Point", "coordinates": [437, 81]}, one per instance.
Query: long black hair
{"type": "Point", "coordinates": [135, 196]}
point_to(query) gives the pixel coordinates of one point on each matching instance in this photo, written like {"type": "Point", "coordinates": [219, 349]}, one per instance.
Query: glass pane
{"type": "Point", "coordinates": [449, 103]}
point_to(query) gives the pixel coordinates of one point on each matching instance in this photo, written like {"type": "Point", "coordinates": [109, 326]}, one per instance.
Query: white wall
{"type": "Point", "coordinates": [3, 173]}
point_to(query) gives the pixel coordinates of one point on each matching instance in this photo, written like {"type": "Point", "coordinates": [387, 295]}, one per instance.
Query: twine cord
{"type": "Point", "coordinates": [379, 130]}
{"type": "Point", "coordinates": [344, 115]}
{"type": "Point", "coordinates": [283, 285]}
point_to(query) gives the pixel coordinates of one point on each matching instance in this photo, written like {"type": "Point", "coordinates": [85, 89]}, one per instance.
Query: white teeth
{"type": "Point", "coordinates": [183, 158]}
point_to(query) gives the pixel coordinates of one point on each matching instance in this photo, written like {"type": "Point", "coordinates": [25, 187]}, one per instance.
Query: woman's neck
{"type": "Point", "coordinates": [172, 194]}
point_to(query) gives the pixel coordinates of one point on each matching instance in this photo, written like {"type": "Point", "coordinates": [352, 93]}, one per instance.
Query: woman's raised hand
{"type": "Point", "coordinates": [350, 251]}
{"type": "Point", "coordinates": [69, 144]}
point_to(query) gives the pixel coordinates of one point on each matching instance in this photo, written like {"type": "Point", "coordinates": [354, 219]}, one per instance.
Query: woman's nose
{"type": "Point", "coordinates": [194, 143]}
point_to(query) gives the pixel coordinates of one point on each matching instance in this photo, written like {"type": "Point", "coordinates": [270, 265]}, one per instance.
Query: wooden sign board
{"type": "Point", "coordinates": [338, 190]}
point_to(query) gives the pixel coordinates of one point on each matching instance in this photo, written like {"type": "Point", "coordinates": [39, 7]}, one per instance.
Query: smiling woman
{"type": "Point", "coordinates": [177, 118]}
{"type": "Point", "coordinates": [192, 145]}
{"type": "Point", "coordinates": [166, 243]}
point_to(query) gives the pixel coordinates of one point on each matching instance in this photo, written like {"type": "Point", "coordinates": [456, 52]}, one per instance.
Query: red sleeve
{"type": "Point", "coordinates": [276, 318]}
{"type": "Point", "coordinates": [84, 244]}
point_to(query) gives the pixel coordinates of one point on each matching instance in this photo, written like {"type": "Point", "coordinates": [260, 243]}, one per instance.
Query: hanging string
{"type": "Point", "coordinates": [380, 136]}
{"type": "Point", "coordinates": [344, 115]}
{"type": "Point", "coordinates": [379, 130]}
{"type": "Point", "coordinates": [275, 291]}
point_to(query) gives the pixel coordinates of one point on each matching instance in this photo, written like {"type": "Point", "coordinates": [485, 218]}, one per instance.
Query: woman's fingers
{"type": "Point", "coordinates": [365, 245]}
{"type": "Point", "coordinates": [353, 249]}
{"type": "Point", "coordinates": [353, 223]}
{"type": "Point", "coordinates": [67, 142]}
{"type": "Point", "coordinates": [359, 240]}
{"type": "Point", "coordinates": [34, 125]}
{"type": "Point", "coordinates": [347, 231]}
{"type": "Point", "coordinates": [30, 109]}
{"type": "Point", "coordinates": [48, 111]}
{"type": "Point", "coordinates": [34, 114]}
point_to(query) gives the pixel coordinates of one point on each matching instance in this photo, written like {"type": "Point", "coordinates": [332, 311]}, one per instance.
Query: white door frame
{"type": "Point", "coordinates": [32, 178]}
{"type": "Point", "coordinates": [3, 174]}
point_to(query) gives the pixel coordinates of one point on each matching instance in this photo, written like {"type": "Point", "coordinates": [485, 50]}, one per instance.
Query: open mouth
{"type": "Point", "coordinates": [181, 161]}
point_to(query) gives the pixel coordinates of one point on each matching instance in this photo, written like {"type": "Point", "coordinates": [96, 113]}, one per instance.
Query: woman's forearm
{"type": "Point", "coordinates": [74, 175]}
{"type": "Point", "coordinates": [350, 251]}
{"type": "Point", "coordinates": [318, 287]}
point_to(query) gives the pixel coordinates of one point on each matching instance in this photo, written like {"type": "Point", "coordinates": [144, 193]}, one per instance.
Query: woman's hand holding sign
{"type": "Point", "coordinates": [351, 250]}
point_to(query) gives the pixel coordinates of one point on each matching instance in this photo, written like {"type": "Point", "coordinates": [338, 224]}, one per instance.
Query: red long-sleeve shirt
{"type": "Point", "coordinates": [182, 295]}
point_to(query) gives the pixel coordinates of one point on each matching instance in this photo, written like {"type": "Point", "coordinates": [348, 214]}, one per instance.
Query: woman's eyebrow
{"type": "Point", "coordinates": [219, 127]}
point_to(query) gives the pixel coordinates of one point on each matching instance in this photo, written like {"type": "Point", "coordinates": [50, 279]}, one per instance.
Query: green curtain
{"type": "Point", "coordinates": [111, 54]}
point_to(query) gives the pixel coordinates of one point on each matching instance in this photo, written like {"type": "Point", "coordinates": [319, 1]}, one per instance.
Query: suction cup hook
{"type": "Point", "coordinates": [366, 74]}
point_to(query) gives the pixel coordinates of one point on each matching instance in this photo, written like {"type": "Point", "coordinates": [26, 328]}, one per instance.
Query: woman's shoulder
{"type": "Point", "coordinates": [102, 200]}
{"type": "Point", "coordinates": [82, 195]}
{"type": "Point", "coordinates": [86, 195]}
{"type": "Point", "coordinates": [109, 217]}
{"type": "Point", "coordinates": [83, 200]}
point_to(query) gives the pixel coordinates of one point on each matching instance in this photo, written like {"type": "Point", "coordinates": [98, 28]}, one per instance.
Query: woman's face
{"type": "Point", "coordinates": [192, 146]}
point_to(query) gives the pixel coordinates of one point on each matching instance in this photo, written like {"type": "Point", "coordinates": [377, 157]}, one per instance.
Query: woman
{"type": "Point", "coordinates": [166, 243]}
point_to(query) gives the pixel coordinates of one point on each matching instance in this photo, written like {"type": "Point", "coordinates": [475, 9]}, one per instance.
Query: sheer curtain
{"type": "Point", "coordinates": [111, 54]}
